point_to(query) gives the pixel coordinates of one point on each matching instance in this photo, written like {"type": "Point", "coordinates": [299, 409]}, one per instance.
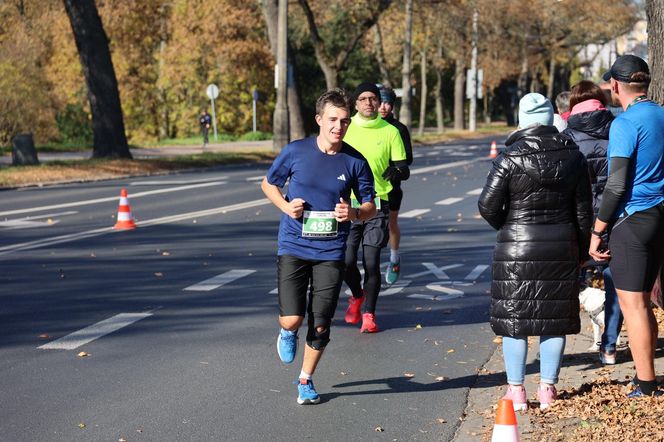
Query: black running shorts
{"type": "Point", "coordinates": [373, 232]}
{"type": "Point", "coordinates": [637, 249]}
{"type": "Point", "coordinates": [297, 275]}
{"type": "Point", "coordinates": [395, 196]}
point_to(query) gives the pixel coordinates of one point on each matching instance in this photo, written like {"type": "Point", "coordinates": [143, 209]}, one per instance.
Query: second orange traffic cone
{"type": "Point", "coordinates": [494, 150]}
{"type": "Point", "coordinates": [505, 429]}
{"type": "Point", "coordinates": [125, 219]}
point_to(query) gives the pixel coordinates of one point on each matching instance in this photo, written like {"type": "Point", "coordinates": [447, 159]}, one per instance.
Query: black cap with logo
{"type": "Point", "coordinates": [624, 67]}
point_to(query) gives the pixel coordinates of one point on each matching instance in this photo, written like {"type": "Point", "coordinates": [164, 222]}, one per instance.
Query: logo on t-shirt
{"type": "Point", "coordinates": [342, 177]}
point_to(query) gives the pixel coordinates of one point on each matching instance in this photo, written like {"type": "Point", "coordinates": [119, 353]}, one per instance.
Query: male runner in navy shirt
{"type": "Point", "coordinates": [321, 172]}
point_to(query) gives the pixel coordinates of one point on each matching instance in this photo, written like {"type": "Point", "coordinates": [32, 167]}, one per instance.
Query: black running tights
{"type": "Point", "coordinates": [372, 276]}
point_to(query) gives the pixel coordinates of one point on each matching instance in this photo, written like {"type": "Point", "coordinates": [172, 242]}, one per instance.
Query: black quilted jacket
{"type": "Point", "coordinates": [590, 131]}
{"type": "Point", "coordinates": [538, 197]}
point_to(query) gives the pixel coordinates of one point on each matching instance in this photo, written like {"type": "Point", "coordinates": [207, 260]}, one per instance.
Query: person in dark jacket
{"type": "Point", "coordinates": [538, 197]}
{"type": "Point", "coordinates": [387, 100]}
{"type": "Point", "coordinates": [588, 126]}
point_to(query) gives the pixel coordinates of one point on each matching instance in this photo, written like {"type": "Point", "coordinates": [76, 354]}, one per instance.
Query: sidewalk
{"type": "Point", "coordinates": [160, 151]}
{"type": "Point", "coordinates": [579, 367]}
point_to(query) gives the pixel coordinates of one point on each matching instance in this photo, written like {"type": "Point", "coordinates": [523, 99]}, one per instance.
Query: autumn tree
{"type": "Point", "coordinates": [95, 56]}
{"type": "Point", "coordinates": [336, 28]}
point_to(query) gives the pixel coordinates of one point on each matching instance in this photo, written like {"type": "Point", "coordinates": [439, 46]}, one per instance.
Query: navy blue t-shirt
{"type": "Point", "coordinates": [320, 180]}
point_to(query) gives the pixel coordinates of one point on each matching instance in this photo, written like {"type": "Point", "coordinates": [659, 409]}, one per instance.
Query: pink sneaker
{"type": "Point", "coordinates": [547, 395]}
{"type": "Point", "coordinates": [517, 394]}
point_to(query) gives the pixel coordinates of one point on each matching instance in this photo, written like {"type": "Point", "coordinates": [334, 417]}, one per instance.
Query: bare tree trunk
{"type": "Point", "coordinates": [655, 14]}
{"type": "Point", "coordinates": [270, 9]}
{"type": "Point", "coordinates": [108, 129]}
{"type": "Point", "coordinates": [424, 91]}
{"type": "Point", "coordinates": [405, 114]}
{"type": "Point", "coordinates": [440, 114]}
{"type": "Point", "coordinates": [380, 56]}
{"type": "Point", "coordinates": [552, 79]}
{"type": "Point", "coordinates": [459, 92]}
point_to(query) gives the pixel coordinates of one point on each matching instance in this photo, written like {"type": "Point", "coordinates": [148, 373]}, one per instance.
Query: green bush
{"type": "Point", "coordinates": [74, 125]}
{"type": "Point", "coordinates": [256, 136]}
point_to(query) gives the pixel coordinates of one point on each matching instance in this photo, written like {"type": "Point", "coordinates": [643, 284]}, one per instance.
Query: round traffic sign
{"type": "Point", "coordinates": [212, 91]}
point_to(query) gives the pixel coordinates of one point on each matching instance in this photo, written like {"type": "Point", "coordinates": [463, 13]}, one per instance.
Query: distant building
{"type": "Point", "coordinates": [597, 59]}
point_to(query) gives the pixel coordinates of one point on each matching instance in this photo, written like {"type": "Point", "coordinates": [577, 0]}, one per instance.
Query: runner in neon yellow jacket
{"type": "Point", "coordinates": [379, 142]}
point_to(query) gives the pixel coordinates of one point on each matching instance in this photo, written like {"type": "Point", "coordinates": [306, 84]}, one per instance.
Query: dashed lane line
{"type": "Point", "coordinates": [6, 250]}
{"type": "Point", "coordinates": [474, 191]}
{"type": "Point", "coordinates": [110, 198]}
{"type": "Point", "coordinates": [445, 166]}
{"type": "Point", "coordinates": [448, 201]}
{"type": "Point", "coordinates": [413, 213]}
{"type": "Point", "coordinates": [88, 334]}
{"type": "Point", "coordinates": [219, 280]}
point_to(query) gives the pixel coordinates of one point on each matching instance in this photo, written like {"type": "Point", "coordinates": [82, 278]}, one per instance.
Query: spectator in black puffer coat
{"type": "Point", "coordinates": [538, 197]}
{"type": "Point", "coordinates": [588, 126]}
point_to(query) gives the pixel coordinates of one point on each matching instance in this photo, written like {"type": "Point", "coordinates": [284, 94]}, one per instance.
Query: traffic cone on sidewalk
{"type": "Point", "coordinates": [125, 220]}
{"type": "Point", "coordinates": [505, 429]}
{"type": "Point", "coordinates": [494, 151]}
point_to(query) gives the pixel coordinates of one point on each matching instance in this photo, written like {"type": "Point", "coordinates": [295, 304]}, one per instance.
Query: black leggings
{"type": "Point", "coordinates": [372, 276]}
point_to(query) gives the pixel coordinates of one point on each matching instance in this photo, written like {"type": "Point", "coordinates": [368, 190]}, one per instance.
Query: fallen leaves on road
{"type": "Point", "coordinates": [379, 429]}
{"type": "Point", "coordinates": [451, 350]}
{"type": "Point", "coordinates": [83, 354]}
{"type": "Point", "coordinates": [44, 336]}
{"type": "Point", "coordinates": [418, 327]}
{"type": "Point", "coordinates": [409, 375]}
{"type": "Point", "coordinates": [440, 420]}
{"type": "Point", "coordinates": [81, 425]}
{"type": "Point", "coordinates": [158, 274]}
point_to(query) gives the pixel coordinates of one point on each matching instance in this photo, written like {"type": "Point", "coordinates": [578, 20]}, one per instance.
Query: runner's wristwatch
{"type": "Point", "coordinates": [596, 233]}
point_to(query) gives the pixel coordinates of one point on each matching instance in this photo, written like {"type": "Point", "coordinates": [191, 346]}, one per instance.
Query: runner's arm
{"type": "Point", "coordinates": [399, 171]}
{"type": "Point", "coordinates": [615, 189]}
{"type": "Point", "coordinates": [292, 208]}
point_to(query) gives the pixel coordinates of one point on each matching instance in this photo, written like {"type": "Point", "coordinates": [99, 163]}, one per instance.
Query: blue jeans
{"type": "Point", "coordinates": [613, 317]}
{"type": "Point", "coordinates": [515, 350]}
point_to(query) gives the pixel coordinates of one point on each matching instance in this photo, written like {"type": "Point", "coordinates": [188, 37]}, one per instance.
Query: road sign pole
{"type": "Point", "coordinates": [253, 108]}
{"type": "Point", "coordinates": [214, 119]}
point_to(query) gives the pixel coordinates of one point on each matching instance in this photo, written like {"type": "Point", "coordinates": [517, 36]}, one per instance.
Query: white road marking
{"type": "Point", "coordinates": [275, 291]}
{"type": "Point", "coordinates": [414, 213]}
{"type": "Point", "coordinates": [219, 280]}
{"type": "Point", "coordinates": [171, 182]}
{"type": "Point", "coordinates": [29, 221]}
{"type": "Point", "coordinates": [477, 271]}
{"type": "Point", "coordinates": [431, 154]}
{"type": "Point", "coordinates": [6, 250]}
{"type": "Point", "coordinates": [449, 291]}
{"type": "Point", "coordinates": [95, 331]}
{"type": "Point", "coordinates": [444, 166]}
{"type": "Point", "coordinates": [448, 201]}
{"type": "Point", "coordinates": [110, 198]}
{"type": "Point", "coordinates": [438, 272]}
{"type": "Point", "coordinates": [396, 287]}
{"type": "Point", "coordinates": [256, 178]}
{"type": "Point", "coordinates": [474, 191]}
{"type": "Point", "coordinates": [418, 296]}
{"type": "Point", "coordinates": [25, 224]}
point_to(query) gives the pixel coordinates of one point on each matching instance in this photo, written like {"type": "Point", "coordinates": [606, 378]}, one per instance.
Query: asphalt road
{"type": "Point", "coordinates": [178, 317]}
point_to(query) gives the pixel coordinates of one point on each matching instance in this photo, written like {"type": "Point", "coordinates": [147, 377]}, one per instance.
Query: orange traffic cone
{"type": "Point", "coordinates": [494, 150]}
{"type": "Point", "coordinates": [125, 219]}
{"type": "Point", "coordinates": [505, 429]}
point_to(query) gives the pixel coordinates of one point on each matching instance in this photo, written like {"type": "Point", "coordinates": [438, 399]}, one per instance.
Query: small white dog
{"type": "Point", "coordinates": [592, 301]}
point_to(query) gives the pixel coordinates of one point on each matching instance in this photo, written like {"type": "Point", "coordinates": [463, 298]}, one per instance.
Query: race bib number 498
{"type": "Point", "coordinates": [319, 224]}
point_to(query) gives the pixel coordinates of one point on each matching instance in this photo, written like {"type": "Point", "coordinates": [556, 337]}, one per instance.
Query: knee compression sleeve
{"type": "Point", "coordinates": [318, 340]}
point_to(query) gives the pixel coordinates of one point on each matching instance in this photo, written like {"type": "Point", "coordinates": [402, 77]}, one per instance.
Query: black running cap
{"type": "Point", "coordinates": [624, 67]}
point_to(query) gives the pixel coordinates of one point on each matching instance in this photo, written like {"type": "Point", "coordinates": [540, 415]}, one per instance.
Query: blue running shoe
{"type": "Point", "coordinates": [392, 274]}
{"type": "Point", "coordinates": [287, 345]}
{"type": "Point", "coordinates": [306, 392]}
{"type": "Point", "coordinates": [638, 393]}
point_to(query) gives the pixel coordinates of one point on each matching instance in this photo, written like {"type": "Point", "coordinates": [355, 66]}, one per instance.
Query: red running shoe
{"type": "Point", "coordinates": [368, 323]}
{"type": "Point", "coordinates": [353, 314]}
